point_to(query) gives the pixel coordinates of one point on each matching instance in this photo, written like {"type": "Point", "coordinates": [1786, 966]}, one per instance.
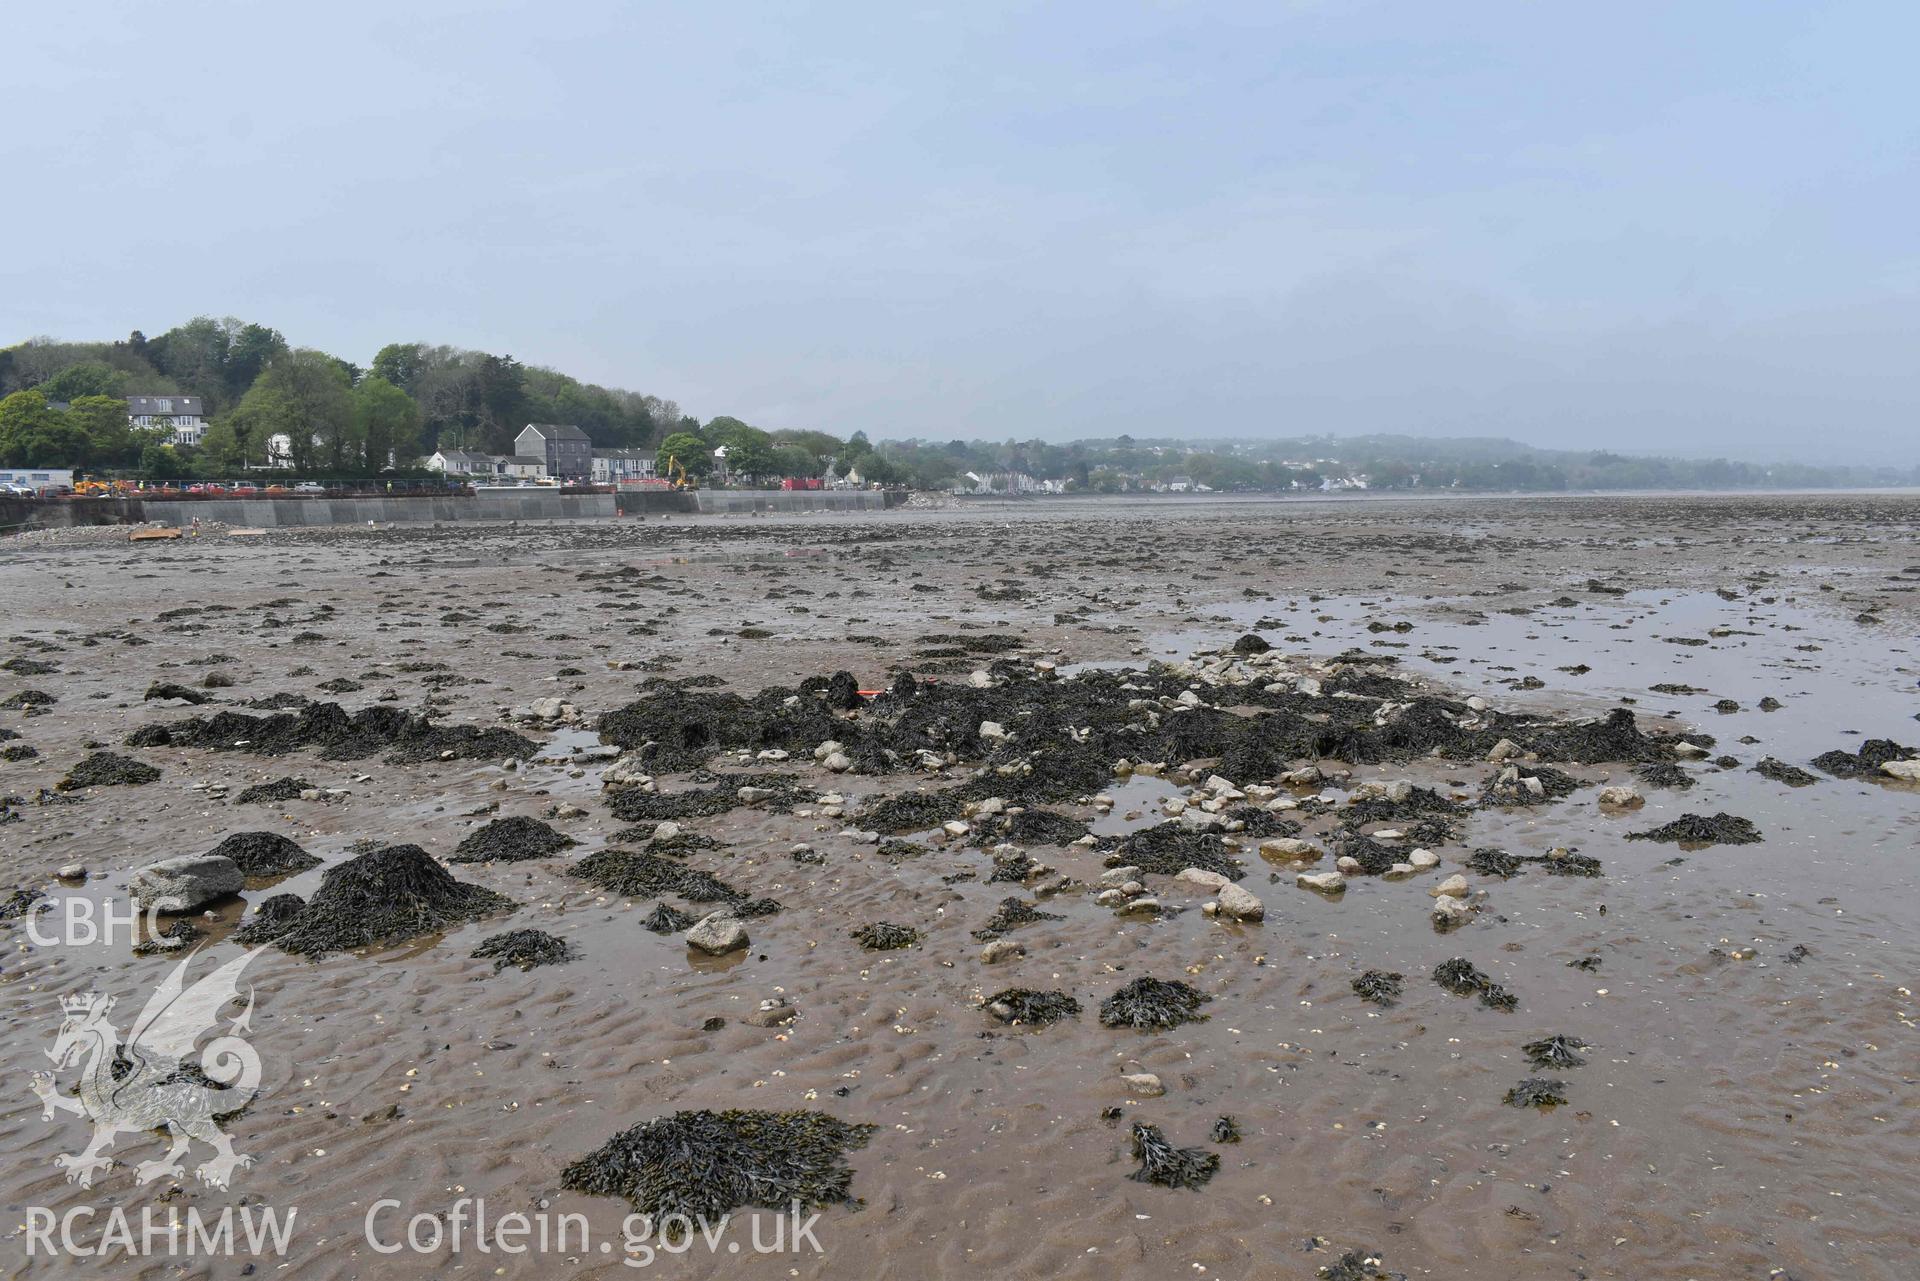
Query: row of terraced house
{"type": "Point", "coordinates": [547, 451]}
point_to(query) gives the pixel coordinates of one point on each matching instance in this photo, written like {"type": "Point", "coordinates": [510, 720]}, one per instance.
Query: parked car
{"type": "Point", "coordinates": [309, 487]}
{"type": "Point", "coordinates": [246, 487]}
{"type": "Point", "coordinates": [277, 489]}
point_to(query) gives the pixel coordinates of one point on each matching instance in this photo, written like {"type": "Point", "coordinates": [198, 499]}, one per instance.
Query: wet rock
{"type": "Point", "coordinates": [1621, 798]}
{"type": "Point", "coordinates": [1906, 771]}
{"type": "Point", "coordinates": [1421, 860]}
{"type": "Point", "coordinates": [1449, 912]}
{"type": "Point", "coordinates": [1454, 886]}
{"type": "Point", "coordinates": [1289, 848]}
{"type": "Point", "coordinates": [772, 1012]}
{"type": "Point", "coordinates": [187, 883]}
{"type": "Point", "coordinates": [1001, 950]}
{"type": "Point", "coordinates": [1201, 877]}
{"type": "Point", "coordinates": [718, 934]}
{"type": "Point", "coordinates": [72, 872]}
{"type": "Point", "coordinates": [1145, 1084]}
{"type": "Point", "coordinates": [1240, 905]}
{"type": "Point", "coordinates": [1323, 882]}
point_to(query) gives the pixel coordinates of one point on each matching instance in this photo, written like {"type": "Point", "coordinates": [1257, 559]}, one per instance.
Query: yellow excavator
{"type": "Point", "coordinates": [677, 474]}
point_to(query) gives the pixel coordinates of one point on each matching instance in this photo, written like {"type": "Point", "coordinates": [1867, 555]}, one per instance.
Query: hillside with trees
{"type": "Point", "coordinates": [62, 405]}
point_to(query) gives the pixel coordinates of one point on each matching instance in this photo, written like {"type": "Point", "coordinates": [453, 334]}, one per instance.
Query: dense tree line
{"type": "Point", "coordinates": [334, 417]}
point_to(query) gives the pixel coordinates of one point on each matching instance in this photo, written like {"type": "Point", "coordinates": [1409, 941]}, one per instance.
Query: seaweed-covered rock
{"type": "Point", "coordinates": [1873, 754]}
{"type": "Point", "coordinates": [106, 769]}
{"type": "Point", "coordinates": [264, 854]}
{"type": "Point", "coordinates": [1168, 1166]}
{"type": "Point", "coordinates": [880, 936]}
{"type": "Point", "coordinates": [1555, 1052]}
{"type": "Point", "coordinates": [1148, 1003]}
{"type": "Point", "coordinates": [1537, 1092]}
{"type": "Point", "coordinates": [385, 896]}
{"type": "Point", "coordinates": [1382, 987]}
{"type": "Point", "coordinates": [639, 874]}
{"type": "Point", "coordinates": [1459, 977]}
{"type": "Point", "coordinates": [1358, 1265]}
{"type": "Point", "coordinates": [342, 736]}
{"type": "Point", "coordinates": [707, 1164]}
{"type": "Point", "coordinates": [271, 917]}
{"type": "Point", "coordinates": [510, 840]}
{"type": "Point", "coordinates": [524, 948]}
{"type": "Point", "coordinates": [1012, 914]}
{"type": "Point", "coordinates": [1781, 772]}
{"type": "Point", "coordinates": [1701, 829]}
{"type": "Point", "coordinates": [1037, 1009]}
{"type": "Point", "coordinates": [1169, 849]}
{"type": "Point", "coordinates": [280, 789]}
{"type": "Point", "coordinates": [1665, 775]}
{"type": "Point", "coordinates": [1487, 861]}
{"type": "Point", "coordinates": [667, 919]}
{"type": "Point", "coordinates": [1527, 785]}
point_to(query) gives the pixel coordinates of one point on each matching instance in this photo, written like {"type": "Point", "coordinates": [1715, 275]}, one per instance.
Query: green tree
{"type": "Point", "coordinates": [693, 453]}
{"type": "Point", "coordinates": [88, 378]}
{"type": "Point", "coordinates": [242, 437]}
{"type": "Point", "coordinates": [111, 439]}
{"type": "Point", "coordinates": [319, 402]}
{"type": "Point", "coordinates": [400, 363]}
{"type": "Point", "coordinates": [386, 421]}
{"type": "Point", "coordinates": [34, 435]}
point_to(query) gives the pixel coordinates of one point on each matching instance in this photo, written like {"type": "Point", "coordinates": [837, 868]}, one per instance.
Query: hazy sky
{"type": "Point", "coordinates": [1685, 227]}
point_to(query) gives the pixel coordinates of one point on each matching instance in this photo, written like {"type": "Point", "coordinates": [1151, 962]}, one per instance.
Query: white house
{"type": "Point", "coordinates": [461, 462]}
{"type": "Point", "coordinates": [185, 415]}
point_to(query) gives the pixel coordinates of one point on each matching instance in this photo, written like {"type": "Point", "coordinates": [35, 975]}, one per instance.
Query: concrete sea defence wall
{"type": "Point", "coordinates": [510, 504]}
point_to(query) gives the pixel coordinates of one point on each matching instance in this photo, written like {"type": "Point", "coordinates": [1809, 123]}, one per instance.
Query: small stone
{"type": "Point", "coordinates": [1454, 886]}
{"type": "Point", "coordinates": [993, 730]}
{"type": "Point", "coordinates": [1145, 1084]}
{"type": "Point", "coordinates": [1621, 797]}
{"type": "Point", "coordinates": [1348, 864]}
{"type": "Point", "coordinates": [1424, 859]}
{"type": "Point", "coordinates": [838, 762]}
{"type": "Point", "coordinates": [72, 872]}
{"type": "Point", "coordinates": [1203, 878]}
{"type": "Point", "coordinates": [1502, 750]}
{"type": "Point", "coordinates": [1289, 847]}
{"type": "Point", "coordinates": [1324, 882]}
{"type": "Point", "coordinates": [1449, 912]}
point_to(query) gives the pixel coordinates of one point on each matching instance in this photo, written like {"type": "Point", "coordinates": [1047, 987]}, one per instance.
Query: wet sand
{"type": "Point", "coordinates": [1736, 1117]}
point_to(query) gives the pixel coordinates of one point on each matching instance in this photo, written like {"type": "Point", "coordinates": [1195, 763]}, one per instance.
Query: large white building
{"type": "Point", "coordinates": [185, 416]}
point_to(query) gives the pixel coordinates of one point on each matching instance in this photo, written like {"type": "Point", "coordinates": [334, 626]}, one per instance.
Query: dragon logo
{"type": "Point", "coordinates": [150, 1084]}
